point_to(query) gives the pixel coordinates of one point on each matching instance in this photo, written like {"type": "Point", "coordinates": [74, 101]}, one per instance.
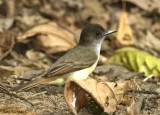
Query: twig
{"type": "Point", "coordinates": [38, 94]}
{"type": "Point", "coordinates": [146, 92]}
{"type": "Point", "coordinates": [24, 79]}
{"type": "Point", "coordinates": [12, 94]}
{"type": "Point", "coordinates": [136, 83]}
{"type": "Point", "coordinates": [147, 78]}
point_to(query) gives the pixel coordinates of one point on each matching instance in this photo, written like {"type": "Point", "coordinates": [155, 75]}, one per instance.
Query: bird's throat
{"type": "Point", "coordinates": [94, 46]}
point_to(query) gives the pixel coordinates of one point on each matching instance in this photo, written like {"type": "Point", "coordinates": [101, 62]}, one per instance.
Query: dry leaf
{"type": "Point", "coordinates": [102, 60]}
{"type": "Point", "coordinates": [97, 13]}
{"type": "Point", "coordinates": [149, 5]}
{"type": "Point", "coordinates": [119, 88]}
{"type": "Point", "coordinates": [7, 41]}
{"type": "Point", "coordinates": [124, 34]}
{"type": "Point", "coordinates": [34, 55]}
{"type": "Point", "coordinates": [75, 97]}
{"type": "Point", "coordinates": [151, 42]}
{"type": "Point", "coordinates": [135, 106]}
{"type": "Point", "coordinates": [106, 94]}
{"type": "Point", "coordinates": [115, 72]}
{"type": "Point", "coordinates": [5, 72]}
{"type": "Point", "coordinates": [51, 38]}
{"type": "Point", "coordinates": [11, 110]}
{"type": "Point", "coordinates": [18, 70]}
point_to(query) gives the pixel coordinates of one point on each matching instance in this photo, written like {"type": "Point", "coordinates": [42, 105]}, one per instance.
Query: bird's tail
{"type": "Point", "coordinates": [32, 84]}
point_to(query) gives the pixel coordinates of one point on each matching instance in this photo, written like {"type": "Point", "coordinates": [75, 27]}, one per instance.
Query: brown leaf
{"type": "Point", "coordinates": [7, 41]}
{"type": "Point", "coordinates": [5, 72]}
{"type": "Point", "coordinates": [97, 13]}
{"type": "Point", "coordinates": [115, 72]}
{"type": "Point", "coordinates": [20, 71]}
{"type": "Point", "coordinates": [75, 97]}
{"type": "Point", "coordinates": [149, 5]}
{"type": "Point", "coordinates": [151, 42]}
{"type": "Point", "coordinates": [124, 34]}
{"type": "Point", "coordinates": [34, 55]}
{"type": "Point", "coordinates": [119, 89]}
{"type": "Point", "coordinates": [11, 110]}
{"type": "Point", "coordinates": [51, 38]}
{"type": "Point", "coordinates": [135, 106]}
{"type": "Point", "coordinates": [106, 94]}
{"type": "Point", "coordinates": [102, 60]}
{"type": "Point", "coordinates": [9, 70]}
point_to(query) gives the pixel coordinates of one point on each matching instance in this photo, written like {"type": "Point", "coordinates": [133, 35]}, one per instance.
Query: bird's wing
{"type": "Point", "coordinates": [68, 63]}
{"type": "Point", "coordinates": [72, 61]}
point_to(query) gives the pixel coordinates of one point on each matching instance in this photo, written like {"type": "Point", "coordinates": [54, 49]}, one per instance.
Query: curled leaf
{"type": "Point", "coordinates": [136, 60]}
{"type": "Point", "coordinates": [124, 34]}
{"type": "Point", "coordinates": [107, 94]}
{"type": "Point", "coordinates": [51, 38]}
{"type": "Point", "coordinates": [75, 97]}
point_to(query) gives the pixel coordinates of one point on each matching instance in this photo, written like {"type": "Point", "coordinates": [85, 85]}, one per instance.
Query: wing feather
{"type": "Point", "coordinates": [84, 58]}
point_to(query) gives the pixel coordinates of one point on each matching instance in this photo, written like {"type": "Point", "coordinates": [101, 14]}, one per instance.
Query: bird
{"type": "Point", "coordinates": [77, 63]}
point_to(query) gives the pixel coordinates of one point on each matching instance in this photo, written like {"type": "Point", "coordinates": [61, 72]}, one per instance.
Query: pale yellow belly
{"type": "Point", "coordinates": [78, 75]}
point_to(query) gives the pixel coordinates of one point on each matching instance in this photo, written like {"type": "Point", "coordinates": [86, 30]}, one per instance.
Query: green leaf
{"type": "Point", "coordinates": [136, 60]}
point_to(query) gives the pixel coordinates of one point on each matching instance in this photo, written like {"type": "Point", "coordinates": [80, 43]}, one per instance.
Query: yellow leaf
{"type": "Point", "coordinates": [125, 34]}
{"type": "Point", "coordinates": [137, 61]}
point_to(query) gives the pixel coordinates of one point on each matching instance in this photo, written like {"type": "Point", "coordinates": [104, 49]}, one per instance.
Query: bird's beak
{"type": "Point", "coordinates": [109, 32]}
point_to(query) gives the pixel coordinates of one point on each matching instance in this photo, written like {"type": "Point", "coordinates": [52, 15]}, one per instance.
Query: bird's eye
{"type": "Point", "coordinates": [98, 33]}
